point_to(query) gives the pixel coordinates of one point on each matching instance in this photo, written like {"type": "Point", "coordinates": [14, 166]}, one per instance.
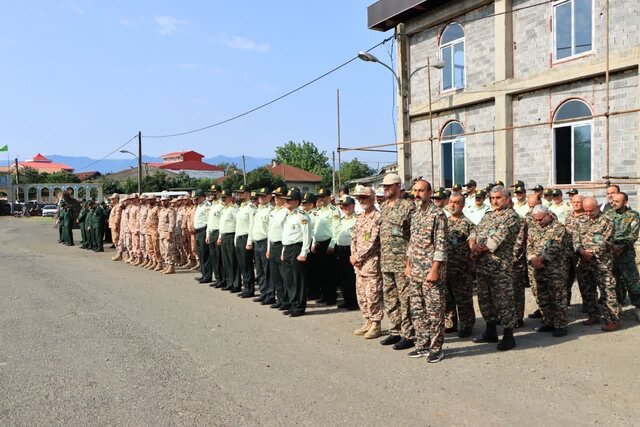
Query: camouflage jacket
{"type": "Point", "coordinates": [152, 219]}
{"type": "Point", "coordinates": [549, 242]}
{"type": "Point", "coordinates": [595, 235]}
{"type": "Point", "coordinates": [626, 225]}
{"type": "Point", "coordinates": [520, 246]}
{"type": "Point", "coordinates": [395, 231]}
{"type": "Point", "coordinates": [428, 242]}
{"type": "Point", "coordinates": [365, 243]}
{"type": "Point", "coordinates": [114, 217]}
{"type": "Point", "coordinates": [498, 230]}
{"type": "Point", "coordinates": [457, 235]}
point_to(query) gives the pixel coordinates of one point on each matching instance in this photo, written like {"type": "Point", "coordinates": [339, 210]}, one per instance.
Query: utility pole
{"type": "Point", "coordinates": [333, 157]}
{"type": "Point", "coordinates": [17, 181]}
{"type": "Point", "coordinates": [244, 171]}
{"type": "Point", "coordinates": [139, 162]}
{"type": "Point", "coordinates": [339, 157]}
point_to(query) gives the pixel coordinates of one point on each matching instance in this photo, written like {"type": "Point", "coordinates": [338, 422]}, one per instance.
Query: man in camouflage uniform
{"type": "Point", "coordinates": [492, 244]}
{"type": "Point", "coordinates": [520, 270]}
{"type": "Point", "coordinates": [546, 254]}
{"type": "Point", "coordinates": [365, 258]}
{"type": "Point", "coordinates": [459, 314]}
{"type": "Point", "coordinates": [626, 223]}
{"type": "Point", "coordinates": [575, 217]}
{"type": "Point", "coordinates": [593, 242]}
{"type": "Point", "coordinates": [142, 219]}
{"type": "Point", "coordinates": [153, 246]}
{"type": "Point", "coordinates": [114, 218]}
{"type": "Point", "coordinates": [533, 200]}
{"type": "Point", "coordinates": [134, 228]}
{"type": "Point", "coordinates": [426, 268]}
{"type": "Point", "coordinates": [166, 230]}
{"type": "Point", "coordinates": [395, 231]}
{"type": "Point", "coordinates": [121, 247]}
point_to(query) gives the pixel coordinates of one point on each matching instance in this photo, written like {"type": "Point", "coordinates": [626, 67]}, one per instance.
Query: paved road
{"type": "Point", "coordinates": [84, 340]}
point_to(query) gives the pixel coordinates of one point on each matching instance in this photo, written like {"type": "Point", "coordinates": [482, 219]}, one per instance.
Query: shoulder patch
{"type": "Point", "coordinates": [336, 217]}
{"type": "Point", "coordinates": [304, 221]}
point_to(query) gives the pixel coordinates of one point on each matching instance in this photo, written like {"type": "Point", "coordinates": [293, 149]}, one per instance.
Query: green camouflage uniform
{"type": "Point", "coordinates": [520, 267]}
{"type": "Point", "coordinates": [98, 229]}
{"type": "Point", "coordinates": [625, 269]}
{"type": "Point", "coordinates": [498, 230]}
{"type": "Point", "coordinates": [550, 242]}
{"type": "Point", "coordinates": [395, 231]}
{"type": "Point", "coordinates": [459, 280]}
{"type": "Point", "coordinates": [428, 243]}
{"type": "Point", "coordinates": [596, 236]}
{"type": "Point", "coordinates": [572, 256]}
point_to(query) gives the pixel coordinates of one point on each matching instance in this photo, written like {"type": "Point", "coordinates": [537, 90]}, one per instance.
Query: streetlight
{"type": "Point", "coordinates": [139, 170]}
{"type": "Point", "coordinates": [403, 92]}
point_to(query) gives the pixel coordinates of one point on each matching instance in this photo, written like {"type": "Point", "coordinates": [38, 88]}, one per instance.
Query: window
{"type": "Point", "coordinates": [452, 54]}
{"type": "Point", "coordinates": [452, 147]}
{"type": "Point", "coordinates": [572, 143]}
{"type": "Point", "coordinates": [572, 28]}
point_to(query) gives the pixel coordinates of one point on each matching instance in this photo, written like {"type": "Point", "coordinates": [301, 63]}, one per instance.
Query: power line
{"type": "Point", "coordinates": [104, 157]}
{"type": "Point", "coordinates": [261, 106]}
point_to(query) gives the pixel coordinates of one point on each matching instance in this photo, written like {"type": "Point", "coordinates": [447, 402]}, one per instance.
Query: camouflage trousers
{"type": "Point", "coordinates": [143, 245]}
{"type": "Point", "coordinates": [495, 292]}
{"type": "Point", "coordinates": [178, 249]}
{"type": "Point", "coordinates": [128, 248]}
{"type": "Point", "coordinates": [115, 238]}
{"type": "Point", "coordinates": [135, 245]}
{"type": "Point", "coordinates": [152, 246]}
{"type": "Point", "coordinates": [185, 249]}
{"type": "Point", "coordinates": [369, 295]}
{"type": "Point", "coordinates": [428, 301]}
{"type": "Point", "coordinates": [459, 296]}
{"type": "Point", "coordinates": [167, 249]}
{"type": "Point", "coordinates": [552, 297]}
{"type": "Point", "coordinates": [193, 254]}
{"type": "Point", "coordinates": [520, 281]}
{"type": "Point", "coordinates": [598, 275]}
{"type": "Point", "coordinates": [625, 270]}
{"type": "Point", "coordinates": [395, 288]}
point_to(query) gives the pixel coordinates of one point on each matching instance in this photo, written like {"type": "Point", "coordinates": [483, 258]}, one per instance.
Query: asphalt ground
{"type": "Point", "coordinates": [88, 341]}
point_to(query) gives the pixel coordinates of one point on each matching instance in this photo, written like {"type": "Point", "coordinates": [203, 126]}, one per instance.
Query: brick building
{"type": "Point", "coordinates": [522, 92]}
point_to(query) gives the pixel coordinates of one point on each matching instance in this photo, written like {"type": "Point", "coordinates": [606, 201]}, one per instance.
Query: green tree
{"type": "Point", "coordinates": [129, 186]}
{"type": "Point", "coordinates": [62, 177]}
{"type": "Point", "coordinates": [305, 155]}
{"type": "Point", "coordinates": [109, 185]}
{"type": "Point", "coordinates": [30, 176]}
{"type": "Point", "coordinates": [355, 169]}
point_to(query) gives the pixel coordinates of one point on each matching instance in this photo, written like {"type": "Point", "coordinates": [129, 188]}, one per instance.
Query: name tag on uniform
{"type": "Point", "coordinates": [367, 236]}
{"type": "Point", "coordinates": [597, 238]}
{"type": "Point", "coordinates": [395, 230]}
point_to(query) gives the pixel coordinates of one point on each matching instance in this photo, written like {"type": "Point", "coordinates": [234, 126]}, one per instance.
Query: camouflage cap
{"type": "Point", "coordinates": [114, 196]}
{"type": "Point", "coordinates": [391, 179]}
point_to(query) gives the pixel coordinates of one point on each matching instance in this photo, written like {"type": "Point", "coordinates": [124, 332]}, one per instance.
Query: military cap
{"type": "Point", "coordinates": [471, 183]}
{"type": "Point", "coordinates": [254, 195]}
{"type": "Point", "coordinates": [556, 192]}
{"type": "Point", "coordinates": [345, 188]}
{"type": "Point", "coordinates": [379, 192]}
{"type": "Point", "coordinates": [114, 196]}
{"type": "Point", "coordinates": [176, 200]}
{"type": "Point", "coordinates": [243, 189]}
{"type": "Point", "coordinates": [456, 187]}
{"type": "Point", "coordinates": [519, 189]}
{"type": "Point", "coordinates": [537, 188]}
{"type": "Point", "coordinates": [165, 197]}
{"type": "Point", "coordinates": [547, 192]}
{"type": "Point", "coordinates": [361, 190]}
{"type": "Point", "coordinates": [225, 193]}
{"type": "Point", "coordinates": [489, 186]}
{"type": "Point", "coordinates": [198, 193]}
{"type": "Point", "coordinates": [391, 179]}
{"type": "Point", "coordinates": [347, 200]}
{"type": "Point", "coordinates": [481, 194]}
{"type": "Point", "coordinates": [572, 192]}
{"type": "Point", "coordinates": [323, 192]}
{"type": "Point", "coordinates": [293, 194]}
{"type": "Point", "coordinates": [134, 196]}
{"type": "Point", "coordinates": [439, 195]}
{"type": "Point", "coordinates": [263, 191]}
{"type": "Point", "coordinates": [308, 198]}
{"type": "Point", "coordinates": [447, 193]}
{"type": "Point", "coordinates": [216, 187]}
{"type": "Point", "coordinates": [280, 191]}
{"type": "Point", "coordinates": [519, 183]}
{"type": "Point", "coordinates": [498, 182]}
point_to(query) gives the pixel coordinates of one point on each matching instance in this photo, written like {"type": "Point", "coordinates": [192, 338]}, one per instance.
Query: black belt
{"type": "Point", "coordinates": [344, 246]}
{"type": "Point", "coordinates": [276, 243]}
{"type": "Point", "coordinates": [294, 244]}
{"type": "Point", "coordinates": [226, 234]}
{"type": "Point", "coordinates": [201, 229]}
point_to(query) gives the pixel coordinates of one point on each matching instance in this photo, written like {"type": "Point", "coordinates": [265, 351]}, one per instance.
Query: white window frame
{"type": "Point", "coordinates": [464, 60]}
{"type": "Point", "coordinates": [453, 139]}
{"type": "Point", "coordinates": [573, 32]}
{"type": "Point", "coordinates": [572, 125]}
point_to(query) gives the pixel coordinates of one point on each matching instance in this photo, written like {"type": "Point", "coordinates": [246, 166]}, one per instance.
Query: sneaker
{"type": "Point", "coordinates": [418, 353]}
{"type": "Point", "coordinates": [435, 356]}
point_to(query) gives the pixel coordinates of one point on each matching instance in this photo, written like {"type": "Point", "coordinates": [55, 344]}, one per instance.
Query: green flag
{"type": "Point", "coordinates": [5, 148]}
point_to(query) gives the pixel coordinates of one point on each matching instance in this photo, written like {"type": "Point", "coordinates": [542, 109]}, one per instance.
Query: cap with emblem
{"type": "Point", "coordinates": [519, 183]}
{"type": "Point", "coordinates": [308, 198]}
{"type": "Point", "coordinates": [489, 187]}
{"type": "Point", "coordinates": [198, 193]}
{"type": "Point", "coordinates": [391, 179]}
{"type": "Point", "coordinates": [216, 187]}
{"type": "Point", "coordinates": [264, 191]}
{"type": "Point", "coordinates": [519, 189]}
{"type": "Point", "coordinates": [537, 188]}
{"type": "Point", "coordinates": [226, 193]}
{"type": "Point", "coordinates": [547, 192]}
{"type": "Point", "coordinates": [481, 194]}
{"type": "Point", "coordinates": [324, 192]}
{"type": "Point", "coordinates": [243, 189]}
{"type": "Point", "coordinates": [439, 195]}
{"type": "Point", "coordinates": [471, 183]}
{"type": "Point", "coordinates": [557, 192]}
{"type": "Point", "coordinates": [572, 192]}
{"type": "Point", "coordinates": [347, 200]}
{"type": "Point", "coordinates": [447, 193]}
{"type": "Point", "coordinates": [456, 187]}
{"type": "Point", "coordinates": [500, 183]}
{"type": "Point", "coordinates": [293, 194]}
{"type": "Point", "coordinates": [280, 191]}
{"type": "Point", "coordinates": [254, 195]}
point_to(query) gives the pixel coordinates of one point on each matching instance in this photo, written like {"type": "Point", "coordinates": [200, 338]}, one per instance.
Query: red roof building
{"type": "Point", "coordinates": [296, 177]}
{"type": "Point", "coordinates": [189, 162]}
{"type": "Point", "coordinates": [42, 164]}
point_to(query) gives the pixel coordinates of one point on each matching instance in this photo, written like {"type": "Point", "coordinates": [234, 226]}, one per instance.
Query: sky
{"type": "Point", "coordinates": [81, 77]}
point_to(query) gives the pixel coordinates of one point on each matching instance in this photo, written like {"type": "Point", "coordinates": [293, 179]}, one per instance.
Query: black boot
{"type": "Point", "coordinates": [508, 342]}
{"type": "Point", "coordinates": [490, 334]}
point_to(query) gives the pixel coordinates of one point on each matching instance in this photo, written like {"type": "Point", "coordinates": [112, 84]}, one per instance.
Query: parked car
{"type": "Point", "coordinates": [49, 210]}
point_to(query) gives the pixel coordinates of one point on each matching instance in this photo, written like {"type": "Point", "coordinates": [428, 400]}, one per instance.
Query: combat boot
{"type": "Point", "coordinates": [610, 327]}
{"type": "Point", "coordinates": [190, 264]}
{"type": "Point", "coordinates": [159, 267]}
{"type": "Point", "coordinates": [636, 314]}
{"type": "Point", "coordinates": [364, 328]}
{"type": "Point", "coordinates": [169, 270]}
{"type": "Point", "coordinates": [490, 334]}
{"type": "Point", "coordinates": [196, 266]}
{"type": "Point", "coordinates": [374, 332]}
{"type": "Point", "coordinates": [508, 342]}
{"type": "Point", "coordinates": [117, 257]}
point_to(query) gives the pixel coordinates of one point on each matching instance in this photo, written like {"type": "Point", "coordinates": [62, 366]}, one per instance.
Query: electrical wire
{"type": "Point", "coordinates": [104, 157]}
{"type": "Point", "coordinates": [261, 106]}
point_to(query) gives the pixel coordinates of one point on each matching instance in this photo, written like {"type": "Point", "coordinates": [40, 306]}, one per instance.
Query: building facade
{"type": "Point", "coordinates": [189, 162]}
{"type": "Point", "coordinates": [521, 90]}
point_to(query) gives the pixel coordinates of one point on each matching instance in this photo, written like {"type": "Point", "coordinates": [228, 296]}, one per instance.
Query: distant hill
{"type": "Point", "coordinates": [115, 165]}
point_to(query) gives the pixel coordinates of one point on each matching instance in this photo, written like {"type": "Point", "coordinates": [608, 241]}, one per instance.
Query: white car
{"type": "Point", "coordinates": [49, 210]}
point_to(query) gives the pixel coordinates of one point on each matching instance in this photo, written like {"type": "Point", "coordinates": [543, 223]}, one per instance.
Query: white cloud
{"type": "Point", "coordinates": [168, 25]}
{"type": "Point", "coordinates": [239, 42]}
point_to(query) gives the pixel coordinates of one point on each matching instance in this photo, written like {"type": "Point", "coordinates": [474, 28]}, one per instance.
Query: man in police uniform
{"type": "Point", "coordinates": [538, 190]}
{"type": "Point", "coordinates": [327, 219]}
{"type": "Point", "coordinates": [471, 192]}
{"type": "Point", "coordinates": [244, 251]}
{"type": "Point", "coordinates": [313, 277]}
{"type": "Point", "coordinates": [547, 197]}
{"type": "Point", "coordinates": [258, 242]}
{"type": "Point", "coordinates": [213, 232]}
{"type": "Point", "coordinates": [277, 217]}
{"type": "Point", "coordinates": [296, 240]}
{"type": "Point", "coordinates": [476, 210]}
{"type": "Point", "coordinates": [226, 241]}
{"type": "Point", "coordinates": [561, 209]}
{"type": "Point", "coordinates": [200, 217]}
{"type": "Point", "coordinates": [520, 204]}
{"type": "Point", "coordinates": [342, 244]}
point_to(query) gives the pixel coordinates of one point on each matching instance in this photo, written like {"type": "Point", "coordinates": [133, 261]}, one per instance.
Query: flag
{"type": "Point", "coordinates": [5, 148]}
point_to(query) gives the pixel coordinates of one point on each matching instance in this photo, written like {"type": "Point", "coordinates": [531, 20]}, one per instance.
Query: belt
{"type": "Point", "coordinates": [201, 229]}
{"type": "Point", "coordinates": [227, 234]}
{"type": "Point", "coordinates": [276, 243]}
{"type": "Point", "coordinates": [294, 244]}
{"type": "Point", "coordinates": [344, 246]}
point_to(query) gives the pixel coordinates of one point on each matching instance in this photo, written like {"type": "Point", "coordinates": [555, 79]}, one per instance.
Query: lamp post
{"type": "Point", "coordinates": [139, 169]}
{"type": "Point", "coordinates": [403, 92]}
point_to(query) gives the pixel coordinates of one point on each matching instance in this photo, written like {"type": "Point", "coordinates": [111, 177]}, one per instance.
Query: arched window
{"type": "Point", "coordinates": [572, 142]}
{"type": "Point", "coordinates": [452, 159]}
{"type": "Point", "coordinates": [452, 54]}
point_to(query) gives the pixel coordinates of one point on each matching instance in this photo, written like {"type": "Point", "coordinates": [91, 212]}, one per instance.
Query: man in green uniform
{"type": "Point", "coordinates": [98, 228]}
{"type": "Point", "coordinates": [82, 217]}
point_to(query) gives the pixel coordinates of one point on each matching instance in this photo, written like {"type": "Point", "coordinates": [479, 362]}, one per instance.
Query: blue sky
{"type": "Point", "coordinates": [82, 77]}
